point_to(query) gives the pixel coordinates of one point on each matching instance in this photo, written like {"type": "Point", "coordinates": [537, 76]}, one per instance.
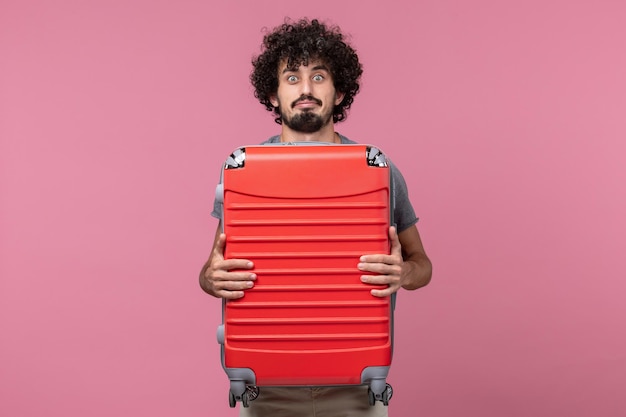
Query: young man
{"type": "Point", "coordinates": [308, 76]}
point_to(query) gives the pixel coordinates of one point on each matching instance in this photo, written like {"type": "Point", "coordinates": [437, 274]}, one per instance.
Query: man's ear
{"type": "Point", "coordinates": [273, 99]}
{"type": "Point", "coordinates": [339, 97]}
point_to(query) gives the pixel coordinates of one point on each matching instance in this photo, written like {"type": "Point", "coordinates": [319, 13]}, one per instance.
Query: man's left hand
{"type": "Point", "coordinates": [387, 268]}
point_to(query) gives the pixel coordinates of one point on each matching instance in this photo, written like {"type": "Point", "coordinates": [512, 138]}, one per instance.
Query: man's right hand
{"type": "Point", "coordinates": [217, 277]}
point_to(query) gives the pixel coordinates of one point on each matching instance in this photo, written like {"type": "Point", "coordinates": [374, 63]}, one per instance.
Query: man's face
{"type": "Point", "coordinates": [306, 96]}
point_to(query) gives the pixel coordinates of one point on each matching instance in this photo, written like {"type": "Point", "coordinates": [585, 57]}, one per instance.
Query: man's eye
{"type": "Point", "coordinates": [318, 77]}
{"type": "Point", "coordinates": [292, 78]}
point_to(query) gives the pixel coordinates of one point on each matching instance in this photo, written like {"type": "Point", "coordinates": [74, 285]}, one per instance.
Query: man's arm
{"type": "Point", "coordinates": [216, 277]}
{"type": "Point", "coordinates": [407, 265]}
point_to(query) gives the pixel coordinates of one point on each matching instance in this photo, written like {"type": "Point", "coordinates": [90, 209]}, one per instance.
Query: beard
{"type": "Point", "coordinates": [306, 121]}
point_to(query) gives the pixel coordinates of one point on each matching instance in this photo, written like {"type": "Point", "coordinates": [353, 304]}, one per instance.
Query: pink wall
{"type": "Point", "coordinates": [507, 120]}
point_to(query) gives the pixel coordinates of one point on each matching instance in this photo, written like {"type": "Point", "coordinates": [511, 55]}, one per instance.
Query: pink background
{"type": "Point", "coordinates": [507, 118]}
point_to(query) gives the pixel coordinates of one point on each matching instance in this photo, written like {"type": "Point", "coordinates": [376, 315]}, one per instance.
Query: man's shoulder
{"type": "Point", "coordinates": [276, 139]}
{"type": "Point", "coordinates": [273, 139]}
{"type": "Point", "coordinates": [345, 139]}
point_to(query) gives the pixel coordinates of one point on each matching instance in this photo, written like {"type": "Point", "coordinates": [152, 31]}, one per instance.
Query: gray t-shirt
{"type": "Point", "coordinates": [403, 214]}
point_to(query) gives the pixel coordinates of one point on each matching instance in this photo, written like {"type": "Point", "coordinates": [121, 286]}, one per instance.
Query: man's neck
{"type": "Point", "coordinates": [326, 134]}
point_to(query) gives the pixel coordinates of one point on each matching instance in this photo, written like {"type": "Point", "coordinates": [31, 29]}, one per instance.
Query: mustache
{"type": "Point", "coordinates": [307, 98]}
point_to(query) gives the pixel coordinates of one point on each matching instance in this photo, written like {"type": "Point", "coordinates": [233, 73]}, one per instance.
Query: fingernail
{"type": "Point", "coordinates": [250, 264]}
{"type": "Point", "coordinates": [252, 276]}
{"type": "Point", "coordinates": [360, 266]}
{"type": "Point", "coordinates": [249, 284]}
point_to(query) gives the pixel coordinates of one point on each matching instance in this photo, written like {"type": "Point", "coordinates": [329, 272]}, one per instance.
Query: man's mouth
{"type": "Point", "coordinates": [306, 101]}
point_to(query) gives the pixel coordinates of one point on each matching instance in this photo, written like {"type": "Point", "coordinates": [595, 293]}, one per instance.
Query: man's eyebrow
{"type": "Point", "coordinates": [315, 68]}
{"type": "Point", "coordinates": [320, 67]}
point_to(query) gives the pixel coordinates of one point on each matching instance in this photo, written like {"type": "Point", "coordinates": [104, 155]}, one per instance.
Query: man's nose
{"type": "Point", "coordinates": [306, 87]}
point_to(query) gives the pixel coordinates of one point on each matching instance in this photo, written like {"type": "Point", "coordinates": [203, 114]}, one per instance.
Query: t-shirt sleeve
{"type": "Point", "coordinates": [403, 213]}
{"type": "Point", "coordinates": [217, 210]}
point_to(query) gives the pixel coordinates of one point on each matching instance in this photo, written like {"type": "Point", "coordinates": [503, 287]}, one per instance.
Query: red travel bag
{"type": "Point", "coordinates": [304, 214]}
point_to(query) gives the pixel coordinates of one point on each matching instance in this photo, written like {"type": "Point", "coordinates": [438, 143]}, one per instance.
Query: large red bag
{"type": "Point", "coordinates": [304, 215]}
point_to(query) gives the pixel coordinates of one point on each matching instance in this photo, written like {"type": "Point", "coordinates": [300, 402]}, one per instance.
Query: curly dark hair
{"type": "Point", "coordinates": [297, 43]}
